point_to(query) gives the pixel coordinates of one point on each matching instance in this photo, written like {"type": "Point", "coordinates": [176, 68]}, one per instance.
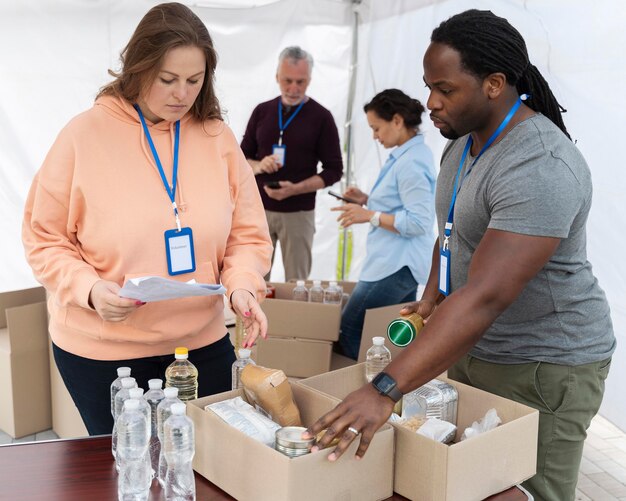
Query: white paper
{"type": "Point", "coordinates": [148, 289]}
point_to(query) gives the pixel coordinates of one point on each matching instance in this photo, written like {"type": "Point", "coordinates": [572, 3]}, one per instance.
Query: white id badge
{"type": "Point", "coordinates": [444, 271]}
{"type": "Point", "coordinates": [279, 150]}
{"type": "Point", "coordinates": [179, 250]}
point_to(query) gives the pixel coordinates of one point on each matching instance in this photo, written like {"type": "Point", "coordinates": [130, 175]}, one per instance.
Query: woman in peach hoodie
{"type": "Point", "coordinates": [151, 157]}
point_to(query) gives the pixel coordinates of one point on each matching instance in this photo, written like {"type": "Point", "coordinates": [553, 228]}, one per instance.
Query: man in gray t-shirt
{"type": "Point", "coordinates": [511, 304]}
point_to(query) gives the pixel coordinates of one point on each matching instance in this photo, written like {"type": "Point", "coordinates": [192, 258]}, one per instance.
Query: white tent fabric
{"type": "Point", "coordinates": [54, 55]}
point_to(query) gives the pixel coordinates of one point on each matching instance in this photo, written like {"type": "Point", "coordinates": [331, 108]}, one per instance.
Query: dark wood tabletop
{"type": "Point", "coordinates": [83, 470]}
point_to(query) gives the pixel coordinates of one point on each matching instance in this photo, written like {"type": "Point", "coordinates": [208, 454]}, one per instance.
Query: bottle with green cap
{"type": "Point", "coordinates": [182, 374]}
{"type": "Point", "coordinates": [403, 330]}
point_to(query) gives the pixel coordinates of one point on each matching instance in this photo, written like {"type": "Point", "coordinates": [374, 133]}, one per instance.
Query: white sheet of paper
{"type": "Point", "coordinates": [150, 289]}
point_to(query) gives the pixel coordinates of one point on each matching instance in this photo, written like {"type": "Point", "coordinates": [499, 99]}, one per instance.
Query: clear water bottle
{"type": "Point", "coordinates": [377, 358]}
{"type": "Point", "coordinates": [180, 484]}
{"type": "Point", "coordinates": [154, 396]}
{"type": "Point", "coordinates": [238, 365]}
{"type": "Point", "coordinates": [116, 386]}
{"type": "Point", "coordinates": [333, 294]}
{"type": "Point", "coordinates": [120, 397]}
{"type": "Point", "coordinates": [135, 476]}
{"type": "Point", "coordinates": [300, 292]}
{"type": "Point", "coordinates": [144, 407]}
{"type": "Point", "coordinates": [316, 292]}
{"type": "Point", "coordinates": [164, 411]}
{"type": "Point", "coordinates": [182, 374]}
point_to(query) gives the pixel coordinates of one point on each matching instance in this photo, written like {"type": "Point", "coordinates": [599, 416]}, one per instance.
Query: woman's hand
{"type": "Point", "coordinates": [353, 193]}
{"type": "Point", "coordinates": [254, 320]}
{"type": "Point", "coordinates": [105, 300]}
{"type": "Point", "coordinates": [352, 214]}
{"type": "Point", "coordinates": [424, 308]}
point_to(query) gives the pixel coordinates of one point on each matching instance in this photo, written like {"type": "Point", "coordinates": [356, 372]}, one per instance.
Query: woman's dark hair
{"type": "Point", "coordinates": [489, 44]}
{"type": "Point", "coordinates": [164, 27]}
{"type": "Point", "coordinates": [393, 101]}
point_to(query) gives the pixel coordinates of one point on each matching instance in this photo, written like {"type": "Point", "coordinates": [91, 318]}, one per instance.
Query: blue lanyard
{"type": "Point", "coordinates": [280, 118]}
{"type": "Point", "coordinates": [170, 191]}
{"type": "Point", "coordinates": [468, 144]}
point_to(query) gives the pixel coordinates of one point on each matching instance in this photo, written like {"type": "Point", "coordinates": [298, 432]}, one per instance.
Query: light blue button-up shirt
{"type": "Point", "coordinates": [405, 188]}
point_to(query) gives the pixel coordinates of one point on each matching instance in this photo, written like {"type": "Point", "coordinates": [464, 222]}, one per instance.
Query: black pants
{"type": "Point", "coordinates": [89, 381]}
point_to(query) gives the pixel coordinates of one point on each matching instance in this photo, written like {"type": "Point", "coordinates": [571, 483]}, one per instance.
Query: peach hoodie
{"type": "Point", "coordinates": [97, 209]}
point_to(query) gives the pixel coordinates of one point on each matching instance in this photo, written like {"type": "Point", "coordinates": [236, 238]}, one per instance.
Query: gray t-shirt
{"type": "Point", "coordinates": [533, 182]}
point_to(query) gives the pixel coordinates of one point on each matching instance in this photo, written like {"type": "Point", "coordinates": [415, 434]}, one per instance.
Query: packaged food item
{"type": "Point", "coordinates": [436, 399]}
{"type": "Point", "coordinates": [270, 392]}
{"type": "Point", "coordinates": [403, 330]}
{"type": "Point", "coordinates": [289, 441]}
{"type": "Point", "coordinates": [270, 292]}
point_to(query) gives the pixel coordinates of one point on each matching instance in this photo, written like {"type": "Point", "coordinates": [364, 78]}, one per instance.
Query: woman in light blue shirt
{"type": "Point", "coordinates": [400, 211]}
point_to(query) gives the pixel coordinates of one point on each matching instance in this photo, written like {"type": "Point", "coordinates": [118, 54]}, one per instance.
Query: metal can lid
{"type": "Point", "coordinates": [401, 331]}
{"type": "Point", "coordinates": [291, 437]}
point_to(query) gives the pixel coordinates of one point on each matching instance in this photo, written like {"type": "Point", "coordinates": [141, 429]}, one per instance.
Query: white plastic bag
{"type": "Point", "coordinates": [489, 421]}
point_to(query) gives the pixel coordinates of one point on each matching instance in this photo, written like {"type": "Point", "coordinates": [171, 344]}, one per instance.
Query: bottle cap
{"type": "Point", "coordinates": [178, 408]}
{"type": "Point", "coordinates": [131, 404]}
{"type": "Point", "coordinates": [244, 353]}
{"type": "Point", "coordinates": [123, 371]}
{"type": "Point", "coordinates": [181, 352]}
{"type": "Point", "coordinates": [378, 340]}
{"type": "Point", "coordinates": [300, 283]}
{"type": "Point", "coordinates": [135, 392]}
{"type": "Point", "coordinates": [155, 384]}
{"type": "Point", "coordinates": [403, 330]}
{"type": "Point", "coordinates": [170, 392]}
{"type": "Point", "coordinates": [129, 382]}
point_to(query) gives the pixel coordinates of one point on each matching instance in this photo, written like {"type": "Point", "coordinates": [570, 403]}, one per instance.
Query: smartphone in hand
{"type": "Point", "coordinates": [340, 197]}
{"type": "Point", "coordinates": [274, 185]}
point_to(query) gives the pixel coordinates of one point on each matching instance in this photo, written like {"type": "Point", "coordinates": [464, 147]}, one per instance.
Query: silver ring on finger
{"type": "Point", "coordinates": [353, 430]}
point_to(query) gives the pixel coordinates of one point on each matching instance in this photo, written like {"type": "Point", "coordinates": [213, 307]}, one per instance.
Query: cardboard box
{"type": "Point", "coordinates": [468, 470]}
{"type": "Point", "coordinates": [295, 357]}
{"type": "Point", "coordinates": [24, 373]}
{"type": "Point", "coordinates": [288, 318]}
{"type": "Point", "coordinates": [250, 470]}
{"type": "Point", "coordinates": [66, 420]}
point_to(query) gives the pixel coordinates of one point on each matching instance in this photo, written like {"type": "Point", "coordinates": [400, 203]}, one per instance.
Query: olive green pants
{"type": "Point", "coordinates": [567, 398]}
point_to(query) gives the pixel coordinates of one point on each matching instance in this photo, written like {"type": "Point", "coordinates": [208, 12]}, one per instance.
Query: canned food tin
{"type": "Point", "coordinates": [403, 330]}
{"type": "Point", "coordinates": [289, 441]}
{"type": "Point", "coordinates": [434, 399]}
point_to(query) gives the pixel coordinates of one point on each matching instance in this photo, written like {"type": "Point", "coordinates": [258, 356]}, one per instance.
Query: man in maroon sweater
{"type": "Point", "coordinates": [284, 141]}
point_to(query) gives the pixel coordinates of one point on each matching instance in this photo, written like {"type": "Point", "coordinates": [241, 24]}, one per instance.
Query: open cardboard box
{"type": "Point", "coordinates": [24, 371]}
{"type": "Point", "coordinates": [375, 324]}
{"type": "Point", "coordinates": [295, 357]}
{"type": "Point", "coordinates": [473, 469]}
{"type": "Point", "coordinates": [250, 470]}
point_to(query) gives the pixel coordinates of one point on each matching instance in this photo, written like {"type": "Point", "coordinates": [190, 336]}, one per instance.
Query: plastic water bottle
{"type": "Point", "coordinates": [240, 332]}
{"type": "Point", "coordinates": [180, 484]}
{"type": "Point", "coordinates": [333, 294]}
{"type": "Point", "coordinates": [116, 386]}
{"type": "Point", "coordinates": [154, 396]}
{"type": "Point", "coordinates": [238, 365]}
{"type": "Point", "coordinates": [164, 411]}
{"type": "Point", "coordinates": [121, 396]}
{"type": "Point", "coordinates": [316, 293]}
{"type": "Point", "coordinates": [182, 374]}
{"type": "Point", "coordinates": [144, 407]}
{"type": "Point", "coordinates": [377, 358]}
{"type": "Point", "coordinates": [300, 292]}
{"type": "Point", "coordinates": [133, 483]}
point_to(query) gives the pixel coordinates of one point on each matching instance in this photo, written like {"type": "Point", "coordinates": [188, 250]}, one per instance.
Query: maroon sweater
{"type": "Point", "coordinates": [310, 138]}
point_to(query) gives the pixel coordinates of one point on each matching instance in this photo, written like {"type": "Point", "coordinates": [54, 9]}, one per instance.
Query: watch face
{"type": "Point", "coordinates": [384, 383]}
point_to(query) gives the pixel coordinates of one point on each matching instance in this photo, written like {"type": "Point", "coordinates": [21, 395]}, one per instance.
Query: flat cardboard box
{"type": "Point", "coordinates": [288, 318]}
{"type": "Point", "coordinates": [463, 471]}
{"type": "Point", "coordinates": [295, 357]}
{"type": "Point", "coordinates": [251, 471]}
{"type": "Point", "coordinates": [66, 420]}
{"type": "Point", "coordinates": [24, 374]}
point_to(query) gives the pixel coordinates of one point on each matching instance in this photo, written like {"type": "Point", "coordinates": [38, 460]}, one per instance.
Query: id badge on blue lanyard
{"type": "Point", "coordinates": [280, 150]}
{"type": "Point", "coordinates": [445, 259]}
{"type": "Point", "coordinates": [179, 249]}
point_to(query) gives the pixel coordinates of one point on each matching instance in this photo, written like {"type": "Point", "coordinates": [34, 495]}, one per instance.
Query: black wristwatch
{"type": "Point", "coordinates": [386, 385]}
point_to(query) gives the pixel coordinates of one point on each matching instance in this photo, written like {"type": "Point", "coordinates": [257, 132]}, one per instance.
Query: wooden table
{"type": "Point", "coordinates": [83, 470]}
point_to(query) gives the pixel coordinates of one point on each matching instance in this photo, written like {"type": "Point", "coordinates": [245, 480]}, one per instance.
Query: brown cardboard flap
{"type": "Point", "coordinates": [28, 327]}
{"type": "Point", "coordinates": [295, 357]}
{"type": "Point", "coordinates": [19, 298]}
